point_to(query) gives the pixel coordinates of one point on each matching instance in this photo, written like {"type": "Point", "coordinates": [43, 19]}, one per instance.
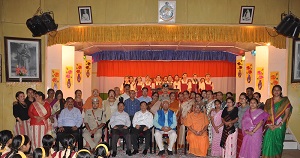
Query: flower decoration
{"type": "Point", "coordinates": [55, 76]}
{"type": "Point", "coordinates": [21, 71]}
{"type": "Point", "coordinates": [249, 69]}
{"type": "Point", "coordinates": [274, 79]}
{"type": "Point", "coordinates": [239, 65]}
{"type": "Point", "coordinates": [260, 74]}
{"type": "Point", "coordinates": [88, 64]}
{"type": "Point", "coordinates": [69, 72]}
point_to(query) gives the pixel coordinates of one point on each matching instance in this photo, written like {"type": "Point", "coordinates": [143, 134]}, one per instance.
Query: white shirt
{"type": "Point", "coordinates": [120, 119]}
{"type": "Point", "coordinates": [125, 96]}
{"type": "Point", "coordinates": [146, 99]}
{"type": "Point", "coordinates": [141, 118]}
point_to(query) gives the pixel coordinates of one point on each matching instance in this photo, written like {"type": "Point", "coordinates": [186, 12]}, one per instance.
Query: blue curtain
{"type": "Point", "coordinates": [164, 55]}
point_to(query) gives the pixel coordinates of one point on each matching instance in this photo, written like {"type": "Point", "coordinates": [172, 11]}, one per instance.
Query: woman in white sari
{"type": "Point", "coordinates": [39, 113]}
{"type": "Point", "coordinates": [155, 104]}
{"type": "Point", "coordinates": [185, 108]}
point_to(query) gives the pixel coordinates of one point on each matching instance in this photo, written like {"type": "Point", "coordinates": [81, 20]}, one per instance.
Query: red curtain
{"type": "Point", "coordinates": [152, 68]}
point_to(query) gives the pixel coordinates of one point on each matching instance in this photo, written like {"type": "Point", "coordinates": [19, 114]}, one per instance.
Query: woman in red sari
{"type": "Point", "coordinates": [184, 83]}
{"type": "Point", "coordinates": [39, 113]}
{"type": "Point", "coordinates": [195, 84]}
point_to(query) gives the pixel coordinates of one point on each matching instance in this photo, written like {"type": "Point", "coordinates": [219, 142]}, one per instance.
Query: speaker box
{"type": "Point", "coordinates": [41, 24]}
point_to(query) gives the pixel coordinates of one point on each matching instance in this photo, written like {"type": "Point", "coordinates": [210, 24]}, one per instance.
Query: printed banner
{"type": "Point", "coordinates": [274, 80]}
{"type": "Point", "coordinates": [88, 67]}
{"type": "Point", "coordinates": [69, 76]}
{"type": "Point", "coordinates": [260, 78]}
{"type": "Point", "coordinates": [249, 72]}
{"type": "Point", "coordinates": [166, 11]}
{"type": "Point", "coordinates": [55, 81]}
{"type": "Point", "coordinates": [79, 72]}
{"type": "Point", "coordinates": [239, 68]}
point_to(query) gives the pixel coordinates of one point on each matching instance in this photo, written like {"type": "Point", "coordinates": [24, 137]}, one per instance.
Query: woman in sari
{"type": "Point", "coordinates": [243, 106]}
{"type": "Point", "coordinates": [197, 137]}
{"type": "Point", "coordinates": [253, 121]}
{"type": "Point", "coordinates": [217, 129]}
{"type": "Point", "coordinates": [155, 103]}
{"type": "Point", "coordinates": [174, 104]}
{"type": "Point", "coordinates": [110, 104]}
{"type": "Point", "coordinates": [185, 108]}
{"type": "Point", "coordinates": [209, 106]}
{"type": "Point", "coordinates": [229, 134]}
{"type": "Point", "coordinates": [39, 113]}
{"type": "Point", "coordinates": [279, 109]}
{"type": "Point", "coordinates": [20, 111]}
{"type": "Point", "coordinates": [78, 101]}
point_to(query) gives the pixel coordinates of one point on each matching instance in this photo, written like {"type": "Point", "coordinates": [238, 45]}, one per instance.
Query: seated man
{"type": "Point", "coordinates": [119, 125]}
{"type": "Point", "coordinates": [94, 120]}
{"type": "Point", "coordinates": [165, 123]}
{"type": "Point", "coordinates": [142, 122]}
{"type": "Point", "coordinates": [69, 121]}
{"type": "Point", "coordinates": [132, 105]}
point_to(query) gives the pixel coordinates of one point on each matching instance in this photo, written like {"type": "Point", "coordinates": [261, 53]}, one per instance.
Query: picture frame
{"type": "Point", "coordinates": [295, 76]}
{"type": "Point", "coordinates": [23, 59]}
{"type": "Point", "coordinates": [247, 14]}
{"type": "Point", "coordinates": [85, 14]}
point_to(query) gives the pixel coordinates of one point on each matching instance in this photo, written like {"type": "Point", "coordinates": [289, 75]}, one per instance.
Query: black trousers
{"type": "Point", "coordinates": [116, 135]}
{"type": "Point", "coordinates": [67, 131]}
{"type": "Point", "coordinates": [135, 135]}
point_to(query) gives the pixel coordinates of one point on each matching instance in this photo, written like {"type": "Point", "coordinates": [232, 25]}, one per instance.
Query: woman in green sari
{"type": "Point", "coordinates": [279, 109]}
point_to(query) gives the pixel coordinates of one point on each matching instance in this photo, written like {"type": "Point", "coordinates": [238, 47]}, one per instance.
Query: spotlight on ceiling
{"type": "Point", "coordinates": [41, 24]}
{"type": "Point", "coordinates": [289, 26]}
{"type": "Point", "coordinates": [253, 52]}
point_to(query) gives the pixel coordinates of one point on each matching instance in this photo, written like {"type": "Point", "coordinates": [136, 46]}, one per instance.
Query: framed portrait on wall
{"type": "Point", "coordinates": [23, 59]}
{"type": "Point", "coordinates": [247, 14]}
{"type": "Point", "coordinates": [295, 78]}
{"type": "Point", "coordinates": [85, 14]}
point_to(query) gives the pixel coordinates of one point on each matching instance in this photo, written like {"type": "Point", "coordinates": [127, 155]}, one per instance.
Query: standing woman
{"type": "Point", "coordinates": [216, 121]}
{"type": "Point", "coordinates": [50, 97]}
{"type": "Point", "coordinates": [195, 83]}
{"type": "Point", "coordinates": [174, 104]}
{"type": "Point", "coordinates": [30, 96]}
{"type": "Point", "coordinates": [243, 107]}
{"type": "Point", "coordinates": [110, 104]}
{"type": "Point", "coordinates": [78, 101]}
{"type": "Point", "coordinates": [279, 109]}
{"type": "Point", "coordinates": [253, 121]}
{"type": "Point", "coordinates": [39, 113]}
{"type": "Point", "coordinates": [209, 106]}
{"type": "Point", "coordinates": [139, 86]}
{"type": "Point", "coordinates": [155, 103]}
{"type": "Point", "coordinates": [20, 111]}
{"type": "Point", "coordinates": [229, 134]}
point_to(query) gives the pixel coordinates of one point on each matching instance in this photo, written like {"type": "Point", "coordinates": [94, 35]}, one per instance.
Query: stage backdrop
{"type": "Point", "coordinates": [113, 66]}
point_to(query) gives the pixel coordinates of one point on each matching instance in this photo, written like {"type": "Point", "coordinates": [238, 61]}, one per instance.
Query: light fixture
{"type": "Point", "coordinates": [243, 57]}
{"type": "Point", "coordinates": [268, 44]}
{"type": "Point", "coordinates": [289, 26]}
{"type": "Point", "coordinates": [253, 52]}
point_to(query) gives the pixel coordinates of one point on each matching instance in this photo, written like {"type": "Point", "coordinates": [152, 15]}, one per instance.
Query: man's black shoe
{"type": "Point", "coordinates": [135, 152]}
{"type": "Point", "coordinates": [170, 152]}
{"type": "Point", "coordinates": [128, 152]}
{"type": "Point", "coordinates": [145, 152]}
{"type": "Point", "coordinates": [114, 154]}
{"type": "Point", "coordinates": [160, 153]}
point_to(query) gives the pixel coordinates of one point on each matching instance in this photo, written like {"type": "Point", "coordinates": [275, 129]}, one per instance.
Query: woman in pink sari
{"type": "Point", "coordinates": [39, 113]}
{"type": "Point", "coordinates": [216, 121]}
{"type": "Point", "coordinates": [252, 128]}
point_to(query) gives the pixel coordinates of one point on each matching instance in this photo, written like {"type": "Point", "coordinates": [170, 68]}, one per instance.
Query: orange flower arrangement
{"type": "Point", "coordinates": [274, 79]}
{"type": "Point", "coordinates": [21, 71]}
{"type": "Point", "coordinates": [249, 69]}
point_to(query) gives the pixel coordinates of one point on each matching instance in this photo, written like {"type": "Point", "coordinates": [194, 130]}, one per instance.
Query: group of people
{"type": "Point", "coordinates": [17, 147]}
{"type": "Point", "coordinates": [182, 83]}
{"type": "Point", "coordinates": [203, 119]}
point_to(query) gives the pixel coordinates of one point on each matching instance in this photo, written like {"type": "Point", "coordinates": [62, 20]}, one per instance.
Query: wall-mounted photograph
{"type": "Point", "coordinates": [247, 14]}
{"type": "Point", "coordinates": [296, 62]}
{"type": "Point", "coordinates": [85, 14]}
{"type": "Point", "coordinates": [23, 59]}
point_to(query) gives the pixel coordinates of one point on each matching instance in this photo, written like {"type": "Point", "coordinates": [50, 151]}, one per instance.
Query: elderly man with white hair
{"type": "Point", "coordinates": [165, 123]}
{"type": "Point", "coordinates": [94, 121]}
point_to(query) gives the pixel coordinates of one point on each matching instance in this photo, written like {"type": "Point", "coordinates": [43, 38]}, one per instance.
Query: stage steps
{"type": "Point", "coordinates": [290, 141]}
